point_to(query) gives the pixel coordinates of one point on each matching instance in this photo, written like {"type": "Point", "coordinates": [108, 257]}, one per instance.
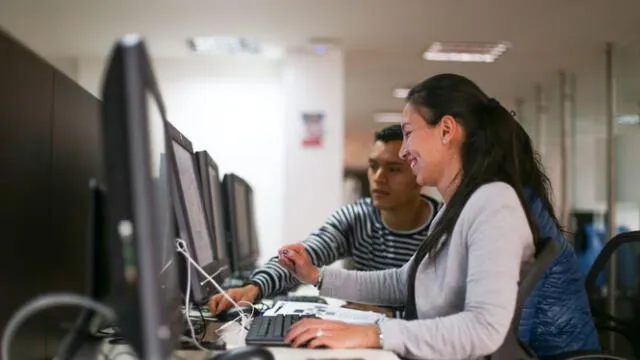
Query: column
{"type": "Point", "coordinates": [314, 136]}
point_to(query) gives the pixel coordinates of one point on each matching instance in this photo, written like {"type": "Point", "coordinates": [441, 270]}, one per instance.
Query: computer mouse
{"type": "Point", "coordinates": [234, 313]}
{"type": "Point", "coordinates": [246, 353]}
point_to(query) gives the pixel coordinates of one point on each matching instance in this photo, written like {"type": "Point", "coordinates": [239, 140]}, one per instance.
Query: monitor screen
{"type": "Point", "coordinates": [195, 210]}
{"type": "Point", "coordinates": [216, 204]}
{"type": "Point", "coordinates": [160, 179]}
{"type": "Point", "coordinates": [255, 246]}
{"type": "Point", "coordinates": [242, 219]}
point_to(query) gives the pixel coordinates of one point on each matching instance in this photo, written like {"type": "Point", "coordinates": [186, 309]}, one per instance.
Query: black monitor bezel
{"type": "Point", "coordinates": [255, 242]}
{"type": "Point", "coordinates": [200, 292]}
{"type": "Point", "coordinates": [205, 163]}
{"type": "Point", "coordinates": [135, 294]}
{"type": "Point", "coordinates": [238, 263]}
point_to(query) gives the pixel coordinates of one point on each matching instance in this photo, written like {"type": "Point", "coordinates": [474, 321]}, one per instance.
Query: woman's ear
{"type": "Point", "coordinates": [448, 128]}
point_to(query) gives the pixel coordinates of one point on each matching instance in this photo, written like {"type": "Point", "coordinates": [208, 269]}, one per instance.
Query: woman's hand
{"type": "Point", "coordinates": [295, 259]}
{"type": "Point", "coordinates": [316, 333]}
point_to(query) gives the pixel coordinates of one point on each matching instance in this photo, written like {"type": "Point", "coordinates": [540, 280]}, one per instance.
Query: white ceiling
{"type": "Point", "coordinates": [383, 39]}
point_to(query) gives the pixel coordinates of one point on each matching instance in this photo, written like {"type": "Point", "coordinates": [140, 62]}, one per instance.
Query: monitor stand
{"type": "Point", "coordinates": [79, 342]}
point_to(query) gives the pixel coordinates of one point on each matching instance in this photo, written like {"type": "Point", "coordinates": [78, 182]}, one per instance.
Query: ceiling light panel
{"type": "Point", "coordinates": [401, 93]}
{"type": "Point", "coordinates": [466, 51]}
{"type": "Point", "coordinates": [388, 117]}
{"type": "Point", "coordinates": [225, 45]}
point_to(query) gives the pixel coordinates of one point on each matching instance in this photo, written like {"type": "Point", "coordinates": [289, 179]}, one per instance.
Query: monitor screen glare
{"type": "Point", "coordinates": [195, 209]}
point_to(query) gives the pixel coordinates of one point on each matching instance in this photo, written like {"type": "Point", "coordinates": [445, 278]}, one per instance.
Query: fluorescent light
{"type": "Point", "coordinates": [465, 52]}
{"type": "Point", "coordinates": [401, 93]}
{"type": "Point", "coordinates": [225, 45]}
{"type": "Point", "coordinates": [628, 119]}
{"type": "Point", "coordinates": [388, 117]}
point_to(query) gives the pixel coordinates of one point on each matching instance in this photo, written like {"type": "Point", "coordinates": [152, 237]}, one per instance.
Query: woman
{"type": "Point", "coordinates": [460, 288]}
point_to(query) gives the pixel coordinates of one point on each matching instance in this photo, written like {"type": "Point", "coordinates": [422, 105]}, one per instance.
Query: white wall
{"type": "Point", "coordinates": [245, 112]}
{"type": "Point", "coordinates": [313, 84]}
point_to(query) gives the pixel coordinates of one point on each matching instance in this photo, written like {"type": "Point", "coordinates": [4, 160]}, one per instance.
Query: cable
{"type": "Point", "coordinates": [117, 354]}
{"type": "Point", "coordinates": [44, 302]}
{"type": "Point", "coordinates": [244, 318]}
{"type": "Point", "coordinates": [182, 248]}
{"type": "Point", "coordinates": [187, 303]}
{"type": "Point", "coordinates": [204, 324]}
{"type": "Point", "coordinates": [214, 274]}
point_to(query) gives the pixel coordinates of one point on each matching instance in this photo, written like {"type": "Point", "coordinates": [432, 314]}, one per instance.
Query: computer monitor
{"type": "Point", "coordinates": [214, 207]}
{"type": "Point", "coordinates": [190, 216]}
{"type": "Point", "coordinates": [255, 243]}
{"type": "Point", "coordinates": [143, 282]}
{"type": "Point", "coordinates": [238, 223]}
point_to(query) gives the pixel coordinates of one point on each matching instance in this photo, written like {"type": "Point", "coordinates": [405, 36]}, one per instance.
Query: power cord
{"type": "Point", "coordinates": [204, 324]}
{"type": "Point", "coordinates": [187, 303]}
{"type": "Point", "coordinates": [181, 247]}
{"type": "Point", "coordinates": [45, 302]}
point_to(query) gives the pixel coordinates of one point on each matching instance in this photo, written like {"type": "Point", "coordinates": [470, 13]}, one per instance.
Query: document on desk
{"type": "Point", "coordinates": [326, 312]}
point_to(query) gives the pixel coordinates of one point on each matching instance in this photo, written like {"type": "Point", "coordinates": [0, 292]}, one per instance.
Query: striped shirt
{"type": "Point", "coordinates": [357, 231]}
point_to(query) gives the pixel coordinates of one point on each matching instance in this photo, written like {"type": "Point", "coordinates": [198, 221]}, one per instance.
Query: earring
{"type": "Point", "coordinates": [444, 141]}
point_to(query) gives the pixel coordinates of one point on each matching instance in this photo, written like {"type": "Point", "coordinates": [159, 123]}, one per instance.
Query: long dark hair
{"type": "Point", "coordinates": [490, 152]}
{"type": "Point", "coordinates": [533, 175]}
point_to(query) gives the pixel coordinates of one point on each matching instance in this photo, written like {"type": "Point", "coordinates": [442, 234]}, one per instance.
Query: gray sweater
{"type": "Point", "coordinates": [466, 300]}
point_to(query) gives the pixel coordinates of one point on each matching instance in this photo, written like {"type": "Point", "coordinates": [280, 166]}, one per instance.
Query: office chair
{"type": "Point", "coordinates": [592, 246]}
{"type": "Point", "coordinates": [512, 348]}
{"type": "Point", "coordinates": [628, 329]}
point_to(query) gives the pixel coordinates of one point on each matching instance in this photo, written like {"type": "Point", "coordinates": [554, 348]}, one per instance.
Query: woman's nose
{"type": "Point", "coordinates": [403, 152]}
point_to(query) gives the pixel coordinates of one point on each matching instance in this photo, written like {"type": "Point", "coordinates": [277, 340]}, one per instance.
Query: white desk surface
{"type": "Point", "coordinates": [234, 335]}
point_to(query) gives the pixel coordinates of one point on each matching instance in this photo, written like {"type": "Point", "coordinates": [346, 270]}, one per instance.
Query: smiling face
{"type": "Point", "coordinates": [427, 148]}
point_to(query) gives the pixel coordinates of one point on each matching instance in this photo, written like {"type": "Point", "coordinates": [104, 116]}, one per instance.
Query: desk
{"type": "Point", "coordinates": [233, 334]}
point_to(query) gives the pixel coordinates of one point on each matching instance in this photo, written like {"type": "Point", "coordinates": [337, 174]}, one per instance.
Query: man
{"type": "Point", "coordinates": [379, 232]}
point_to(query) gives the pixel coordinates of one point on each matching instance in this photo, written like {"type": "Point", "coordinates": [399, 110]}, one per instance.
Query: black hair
{"type": "Point", "coordinates": [389, 134]}
{"type": "Point", "coordinates": [533, 174]}
{"type": "Point", "coordinates": [491, 151]}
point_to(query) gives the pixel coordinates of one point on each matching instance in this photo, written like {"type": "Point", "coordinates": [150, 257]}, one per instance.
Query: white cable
{"type": "Point", "coordinates": [187, 308]}
{"type": "Point", "coordinates": [214, 274]}
{"type": "Point", "coordinates": [47, 301]}
{"type": "Point", "coordinates": [181, 245]}
{"type": "Point", "coordinates": [244, 318]}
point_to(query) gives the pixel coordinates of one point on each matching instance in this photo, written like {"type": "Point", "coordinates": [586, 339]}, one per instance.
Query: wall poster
{"type": "Point", "coordinates": [313, 125]}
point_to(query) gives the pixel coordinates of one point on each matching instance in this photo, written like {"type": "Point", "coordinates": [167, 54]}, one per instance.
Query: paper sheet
{"type": "Point", "coordinates": [326, 312]}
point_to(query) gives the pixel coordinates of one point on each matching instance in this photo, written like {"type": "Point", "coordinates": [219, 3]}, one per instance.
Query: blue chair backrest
{"type": "Point", "coordinates": [593, 246]}
{"type": "Point", "coordinates": [628, 269]}
{"type": "Point", "coordinates": [626, 255]}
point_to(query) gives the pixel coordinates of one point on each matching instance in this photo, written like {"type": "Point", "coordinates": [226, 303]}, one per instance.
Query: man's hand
{"type": "Point", "coordinates": [219, 302]}
{"type": "Point", "coordinates": [295, 259]}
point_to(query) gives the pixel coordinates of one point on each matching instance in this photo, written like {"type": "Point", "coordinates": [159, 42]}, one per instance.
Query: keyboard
{"type": "Point", "coordinates": [271, 330]}
{"type": "Point", "coordinates": [302, 298]}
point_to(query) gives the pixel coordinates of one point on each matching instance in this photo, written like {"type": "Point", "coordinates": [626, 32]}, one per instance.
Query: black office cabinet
{"type": "Point", "coordinates": [49, 149]}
